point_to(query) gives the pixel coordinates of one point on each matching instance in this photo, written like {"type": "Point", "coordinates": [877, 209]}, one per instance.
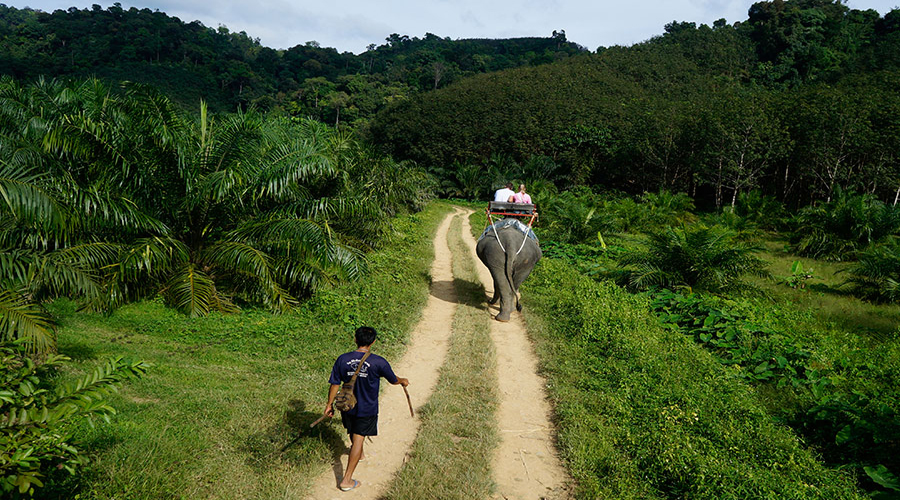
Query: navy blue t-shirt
{"type": "Point", "coordinates": [367, 382]}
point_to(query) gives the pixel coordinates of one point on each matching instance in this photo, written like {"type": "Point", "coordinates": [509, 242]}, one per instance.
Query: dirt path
{"type": "Point", "coordinates": [423, 360]}
{"type": "Point", "coordinates": [525, 465]}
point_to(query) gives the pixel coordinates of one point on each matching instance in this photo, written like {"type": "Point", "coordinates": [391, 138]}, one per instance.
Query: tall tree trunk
{"type": "Point", "coordinates": [719, 186]}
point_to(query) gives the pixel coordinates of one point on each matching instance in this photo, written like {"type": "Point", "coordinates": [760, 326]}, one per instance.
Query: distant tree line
{"type": "Point", "coordinates": [232, 69]}
{"type": "Point", "coordinates": [798, 101]}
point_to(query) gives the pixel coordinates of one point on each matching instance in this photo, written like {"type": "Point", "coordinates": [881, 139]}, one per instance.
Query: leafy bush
{"type": "Point", "coordinates": [696, 257]}
{"type": "Point", "coordinates": [799, 276]}
{"type": "Point", "coordinates": [744, 228]}
{"type": "Point", "coordinates": [573, 216]}
{"type": "Point", "coordinates": [855, 421]}
{"type": "Point", "coordinates": [876, 274]}
{"type": "Point", "coordinates": [644, 413]}
{"type": "Point", "coordinates": [848, 223]}
{"type": "Point", "coordinates": [763, 354]}
{"type": "Point", "coordinates": [577, 215]}
{"type": "Point", "coordinates": [763, 211]}
{"type": "Point", "coordinates": [36, 422]}
{"type": "Point", "coordinates": [667, 209]}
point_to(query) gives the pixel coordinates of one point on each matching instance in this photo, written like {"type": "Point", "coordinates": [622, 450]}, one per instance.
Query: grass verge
{"type": "Point", "coordinates": [645, 413]}
{"type": "Point", "coordinates": [228, 392]}
{"type": "Point", "coordinates": [451, 457]}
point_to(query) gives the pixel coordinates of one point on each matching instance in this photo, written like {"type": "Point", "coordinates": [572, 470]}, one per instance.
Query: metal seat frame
{"type": "Point", "coordinates": [508, 209]}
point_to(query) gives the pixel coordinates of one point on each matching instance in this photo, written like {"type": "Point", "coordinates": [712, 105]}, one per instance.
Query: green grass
{"type": "Point", "coordinates": [451, 457]}
{"type": "Point", "coordinates": [831, 304]}
{"type": "Point", "coordinates": [227, 392]}
{"type": "Point", "coordinates": [643, 412]}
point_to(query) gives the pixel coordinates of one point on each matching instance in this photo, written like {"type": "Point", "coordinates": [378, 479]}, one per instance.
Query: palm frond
{"type": "Point", "coordinates": [73, 271]}
{"type": "Point", "coordinates": [251, 264]}
{"type": "Point", "coordinates": [14, 264]}
{"type": "Point", "coordinates": [26, 199]}
{"type": "Point", "coordinates": [290, 164]}
{"type": "Point", "coordinates": [191, 291]}
{"type": "Point", "coordinates": [21, 319]}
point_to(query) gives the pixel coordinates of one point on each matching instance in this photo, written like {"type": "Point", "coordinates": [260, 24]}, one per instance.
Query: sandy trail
{"type": "Point", "coordinates": [421, 363]}
{"type": "Point", "coordinates": [526, 465]}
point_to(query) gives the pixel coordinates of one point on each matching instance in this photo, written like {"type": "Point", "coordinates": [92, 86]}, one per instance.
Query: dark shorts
{"type": "Point", "coordinates": [364, 426]}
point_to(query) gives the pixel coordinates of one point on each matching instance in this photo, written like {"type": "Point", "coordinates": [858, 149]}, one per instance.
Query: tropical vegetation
{"type": "Point", "coordinates": [214, 216]}
{"type": "Point", "coordinates": [115, 195]}
{"type": "Point", "coordinates": [36, 424]}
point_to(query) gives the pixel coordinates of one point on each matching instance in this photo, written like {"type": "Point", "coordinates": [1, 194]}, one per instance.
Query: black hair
{"type": "Point", "coordinates": [509, 185]}
{"type": "Point", "coordinates": [365, 335]}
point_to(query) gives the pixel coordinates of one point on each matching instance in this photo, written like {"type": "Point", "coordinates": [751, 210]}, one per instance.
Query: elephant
{"type": "Point", "coordinates": [509, 259]}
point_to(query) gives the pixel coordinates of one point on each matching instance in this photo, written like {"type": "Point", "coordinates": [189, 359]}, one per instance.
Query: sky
{"type": "Point", "coordinates": [351, 25]}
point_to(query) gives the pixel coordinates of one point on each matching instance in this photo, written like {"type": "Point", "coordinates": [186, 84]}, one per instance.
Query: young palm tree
{"type": "Point", "coordinates": [876, 274]}
{"type": "Point", "coordinates": [52, 224]}
{"type": "Point", "coordinates": [843, 226]}
{"type": "Point", "coordinates": [694, 257]}
{"type": "Point", "coordinates": [259, 215]}
{"type": "Point", "coordinates": [112, 196]}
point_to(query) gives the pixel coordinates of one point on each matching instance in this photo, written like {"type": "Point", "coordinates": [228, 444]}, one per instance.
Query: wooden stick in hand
{"type": "Point", "coordinates": [409, 402]}
{"type": "Point", "coordinates": [320, 419]}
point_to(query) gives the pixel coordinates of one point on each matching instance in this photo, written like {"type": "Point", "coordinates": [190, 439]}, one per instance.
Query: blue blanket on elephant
{"type": "Point", "coordinates": [510, 222]}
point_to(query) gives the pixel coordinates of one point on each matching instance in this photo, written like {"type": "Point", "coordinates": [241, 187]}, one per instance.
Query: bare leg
{"type": "Point", "coordinates": [356, 451]}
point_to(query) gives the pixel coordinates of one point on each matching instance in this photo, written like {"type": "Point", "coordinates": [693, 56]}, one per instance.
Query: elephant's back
{"type": "Point", "coordinates": [509, 224]}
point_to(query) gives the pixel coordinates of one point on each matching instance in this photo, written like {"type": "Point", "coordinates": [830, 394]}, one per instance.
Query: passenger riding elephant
{"type": "Point", "coordinates": [501, 249]}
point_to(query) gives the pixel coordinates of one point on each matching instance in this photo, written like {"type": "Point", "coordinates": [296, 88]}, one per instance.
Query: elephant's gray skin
{"type": "Point", "coordinates": [507, 269]}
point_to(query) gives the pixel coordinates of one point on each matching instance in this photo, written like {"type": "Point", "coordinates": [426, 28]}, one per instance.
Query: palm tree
{"type": "Point", "coordinates": [113, 196]}
{"type": "Point", "coordinates": [848, 223]}
{"type": "Point", "coordinates": [51, 225]}
{"type": "Point", "coordinates": [876, 275]}
{"type": "Point", "coordinates": [259, 212]}
{"type": "Point", "coordinates": [695, 257]}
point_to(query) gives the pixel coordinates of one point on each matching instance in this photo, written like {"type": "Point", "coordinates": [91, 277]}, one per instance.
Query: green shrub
{"type": "Point", "coordinates": [855, 420]}
{"type": "Point", "coordinates": [837, 229]}
{"type": "Point", "coordinates": [644, 413]}
{"type": "Point", "coordinates": [876, 274]}
{"type": "Point", "coordinates": [744, 228]}
{"type": "Point", "coordinates": [36, 422]}
{"type": "Point", "coordinates": [572, 216]}
{"type": "Point", "coordinates": [667, 209]}
{"type": "Point", "coordinates": [763, 211]}
{"type": "Point", "coordinates": [695, 257]}
{"type": "Point", "coordinates": [577, 215]}
{"type": "Point", "coordinates": [762, 354]}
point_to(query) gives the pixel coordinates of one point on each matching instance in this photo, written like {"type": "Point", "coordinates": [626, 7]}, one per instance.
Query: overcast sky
{"type": "Point", "coordinates": [351, 25]}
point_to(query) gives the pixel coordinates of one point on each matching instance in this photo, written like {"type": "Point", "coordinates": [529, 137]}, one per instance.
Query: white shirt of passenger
{"type": "Point", "coordinates": [503, 194]}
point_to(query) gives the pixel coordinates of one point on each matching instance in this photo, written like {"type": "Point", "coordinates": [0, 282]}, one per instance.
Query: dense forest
{"type": "Point", "coordinates": [231, 69]}
{"type": "Point", "coordinates": [798, 101]}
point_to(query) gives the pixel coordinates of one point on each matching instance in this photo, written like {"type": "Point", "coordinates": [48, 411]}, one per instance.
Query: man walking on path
{"type": "Point", "coordinates": [362, 419]}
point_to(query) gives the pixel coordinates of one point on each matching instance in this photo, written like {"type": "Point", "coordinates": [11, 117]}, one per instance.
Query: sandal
{"type": "Point", "coordinates": [355, 485]}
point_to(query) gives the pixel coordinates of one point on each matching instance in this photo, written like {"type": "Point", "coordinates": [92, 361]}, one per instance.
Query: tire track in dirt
{"type": "Point", "coordinates": [526, 465]}
{"type": "Point", "coordinates": [424, 357]}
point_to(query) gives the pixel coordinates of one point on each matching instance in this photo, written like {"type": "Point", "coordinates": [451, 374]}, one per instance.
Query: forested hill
{"type": "Point", "coordinates": [190, 60]}
{"type": "Point", "coordinates": [798, 100]}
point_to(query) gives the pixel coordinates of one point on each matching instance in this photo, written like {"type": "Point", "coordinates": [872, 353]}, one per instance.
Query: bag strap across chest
{"type": "Point", "coordinates": [358, 367]}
